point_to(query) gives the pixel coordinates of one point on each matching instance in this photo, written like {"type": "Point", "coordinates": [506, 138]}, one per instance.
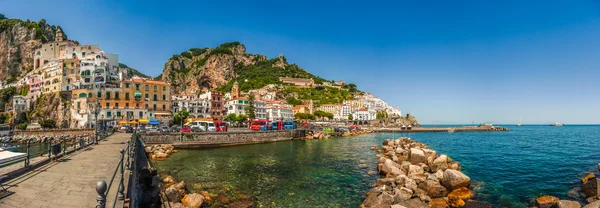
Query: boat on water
{"type": "Point", "coordinates": [6, 146]}
{"type": "Point", "coordinates": [556, 124]}
{"type": "Point", "coordinates": [520, 123]}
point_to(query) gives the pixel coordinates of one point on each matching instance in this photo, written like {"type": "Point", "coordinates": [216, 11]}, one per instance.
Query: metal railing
{"type": "Point", "coordinates": [103, 190]}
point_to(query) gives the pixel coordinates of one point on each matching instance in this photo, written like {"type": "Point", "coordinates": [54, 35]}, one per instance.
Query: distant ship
{"type": "Point", "coordinates": [556, 124]}
{"type": "Point", "coordinates": [520, 123]}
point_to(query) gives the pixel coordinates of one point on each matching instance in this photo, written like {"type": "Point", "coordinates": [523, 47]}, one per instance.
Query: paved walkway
{"type": "Point", "coordinates": [71, 182]}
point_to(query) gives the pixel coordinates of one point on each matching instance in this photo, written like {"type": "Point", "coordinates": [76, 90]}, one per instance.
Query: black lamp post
{"type": "Point", "coordinates": [96, 112]}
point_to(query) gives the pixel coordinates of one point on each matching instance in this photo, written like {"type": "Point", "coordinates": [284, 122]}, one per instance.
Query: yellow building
{"type": "Point", "coordinates": [52, 76]}
{"type": "Point", "coordinates": [142, 98]}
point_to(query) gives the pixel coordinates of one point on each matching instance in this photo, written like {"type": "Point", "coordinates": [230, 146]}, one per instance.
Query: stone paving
{"type": "Point", "coordinates": [72, 181]}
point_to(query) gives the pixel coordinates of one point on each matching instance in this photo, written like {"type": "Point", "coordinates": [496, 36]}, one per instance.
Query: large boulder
{"type": "Point", "coordinates": [434, 189]}
{"type": "Point", "coordinates": [402, 194]}
{"type": "Point", "coordinates": [388, 165]}
{"type": "Point", "coordinates": [415, 170]}
{"type": "Point", "coordinates": [568, 204]}
{"type": "Point", "coordinates": [414, 203]}
{"type": "Point", "coordinates": [375, 198]}
{"type": "Point", "coordinates": [429, 155]}
{"type": "Point", "coordinates": [546, 201]}
{"type": "Point", "coordinates": [591, 188]}
{"type": "Point", "coordinates": [454, 179]}
{"type": "Point", "coordinates": [440, 163]}
{"type": "Point", "coordinates": [417, 156]}
{"type": "Point", "coordinates": [173, 194]}
{"type": "Point", "coordinates": [169, 179]}
{"type": "Point", "coordinates": [595, 204]}
{"type": "Point", "coordinates": [192, 200]}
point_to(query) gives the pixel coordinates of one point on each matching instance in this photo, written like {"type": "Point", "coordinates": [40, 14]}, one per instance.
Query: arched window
{"type": "Point", "coordinates": [82, 95]}
{"type": "Point", "coordinates": [90, 95]}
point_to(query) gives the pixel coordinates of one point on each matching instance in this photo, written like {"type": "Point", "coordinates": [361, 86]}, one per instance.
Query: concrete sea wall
{"type": "Point", "coordinates": [216, 139]}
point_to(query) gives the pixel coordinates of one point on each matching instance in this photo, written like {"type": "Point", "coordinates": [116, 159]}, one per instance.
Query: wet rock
{"type": "Point", "coordinates": [192, 200]}
{"type": "Point", "coordinates": [387, 166]}
{"type": "Point", "coordinates": [574, 193]}
{"type": "Point", "coordinates": [591, 199]}
{"type": "Point", "coordinates": [414, 203]}
{"type": "Point", "coordinates": [568, 204]}
{"type": "Point", "coordinates": [587, 177]}
{"type": "Point", "coordinates": [546, 201]}
{"type": "Point", "coordinates": [591, 188]}
{"type": "Point", "coordinates": [173, 194]}
{"type": "Point", "coordinates": [179, 186]}
{"type": "Point", "coordinates": [242, 204]}
{"type": "Point", "coordinates": [457, 197]}
{"type": "Point", "coordinates": [169, 179]}
{"type": "Point", "coordinates": [595, 204]}
{"type": "Point", "coordinates": [402, 194]}
{"type": "Point", "coordinates": [206, 195]}
{"type": "Point", "coordinates": [417, 156]}
{"type": "Point", "coordinates": [439, 203]}
{"type": "Point", "coordinates": [454, 179]}
{"type": "Point", "coordinates": [454, 165]}
{"type": "Point", "coordinates": [222, 199]}
{"type": "Point", "coordinates": [477, 204]}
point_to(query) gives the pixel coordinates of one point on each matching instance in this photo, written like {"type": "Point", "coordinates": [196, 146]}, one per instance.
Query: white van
{"type": "Point", "coordinates": [211, 126]}
{"type": "Point", "coordinates": [200, 125]}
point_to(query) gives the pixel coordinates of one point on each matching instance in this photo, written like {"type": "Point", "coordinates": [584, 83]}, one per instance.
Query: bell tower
{"type": "Point", "coordinates": [235, 91]}
{"type": "Point", "coordinates": [59, 35]}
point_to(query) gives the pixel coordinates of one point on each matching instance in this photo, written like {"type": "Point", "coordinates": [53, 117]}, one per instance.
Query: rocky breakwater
{"type": "Point", "coordinates": [160, 151]}
{"type": "Point", "coordinates": [179, 196]}
{"type": "Point", "coordinates": [46, 139]}
{"type": "Point", "coordinates": [310, 135]}
{"type": "Point", "coordinates": [356, 132]}
{"type": "Point", "coordinates": [588, 194]}
{"type": "Point", "coordinates": [415, 176]}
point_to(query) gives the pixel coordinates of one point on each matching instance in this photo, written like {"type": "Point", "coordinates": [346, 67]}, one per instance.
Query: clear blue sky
{"type": "Point", "coordinates": [442, 61]}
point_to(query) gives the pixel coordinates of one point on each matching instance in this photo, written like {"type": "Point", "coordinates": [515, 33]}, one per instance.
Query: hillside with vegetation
{"type": "Point", "coordinates": [200, 69]}
{"type": "Point", "coordinates": [130, 72]}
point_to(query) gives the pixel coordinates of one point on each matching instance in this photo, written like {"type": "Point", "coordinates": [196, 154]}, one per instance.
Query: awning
{"type": "Point", "coordinates": [122, 122]}
{"type": "Point", "coordinates": [137, 94]}
{"type": "Point", "coordinates": [154, 121]}
{"type": "Point", "coordinates": [143, 120]}
{"type": "Point", "coordinates": [158, 113]}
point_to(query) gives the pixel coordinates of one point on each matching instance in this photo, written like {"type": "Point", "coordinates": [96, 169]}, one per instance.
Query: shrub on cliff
{"type": "Point", "coordinates": [48, 124]}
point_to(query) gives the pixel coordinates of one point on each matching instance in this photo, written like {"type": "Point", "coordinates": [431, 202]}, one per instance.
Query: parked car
{"type": "Point", "coordinates": [129, 129]}
{"type": "Point", "coordinates": [210, 126]}
{"type": "Point", "coordinates": [164, 129]}
{"type": "Point", "coordinates": [353, 127]}
{"type": "Point", "coordinates": [186, 129]}
{"type": "Point", "coordinates": [152, 129]}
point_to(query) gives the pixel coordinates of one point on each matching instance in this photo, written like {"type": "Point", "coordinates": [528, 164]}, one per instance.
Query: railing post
{"type": "Point", "coordinates": [49, 149]}
{"type": "Point", "coordinates": [64, 147]}
{"type": "Point", "coordinates": [121, 196]}
{"type": "Point", "coordinates": [27, 159]}
{"type": "Point", "coordinates": [128, 154]}
{"type": "Point", "coordinates": [101, 198]}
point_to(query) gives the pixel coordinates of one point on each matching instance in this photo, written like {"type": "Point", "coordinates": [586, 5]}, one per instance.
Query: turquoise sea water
{"type": "Point", "coordinates": [510, 168]}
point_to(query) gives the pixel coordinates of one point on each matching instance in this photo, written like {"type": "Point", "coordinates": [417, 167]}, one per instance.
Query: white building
{"type": "Point", "coordinates": [197, 107]}
{"type": "Point", "coordinates": [260, 109]}
{"type": "Point", "coordinates": [364, 115]}
{"type": "Point", "coordinates": [237, 106]}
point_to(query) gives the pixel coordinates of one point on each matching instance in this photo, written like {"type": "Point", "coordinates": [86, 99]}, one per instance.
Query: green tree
{"type": "Point", "coordinates": [350, 118]}
{"type": "Point", "coordinates": [250, 108]}
{"type": "Point", "coordinates": [293, 101]}
{"type": "Point", "coordinates": [22, 126]}
{"type": "Point", "coordinates": [241, 118]}
{"type": "Point", "coordinates": [380, 115]}
{"type": "Point", "coordinates": [180, 116]}
{"type": "Point", "coordinates": [352, 88]}
{"type": "Point", "coordinates": [2, 17]}
{"type": "Point", "coordinates": [48, 124]}
{"type": "Point", "coordinates": [231, 118]}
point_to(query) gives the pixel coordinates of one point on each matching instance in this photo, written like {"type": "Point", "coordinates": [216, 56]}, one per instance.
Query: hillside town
{"type": "Point", "coordinates": [98, 91]}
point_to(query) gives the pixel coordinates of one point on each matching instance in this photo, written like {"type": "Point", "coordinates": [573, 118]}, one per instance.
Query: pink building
{"type": "Point", "coordinates": [35, 83]}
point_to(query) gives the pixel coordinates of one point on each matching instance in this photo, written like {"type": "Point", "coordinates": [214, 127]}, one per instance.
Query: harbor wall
{"type": "Point", "coordinates": [216, 139]}
{"type": "Point", "coordinates": [74, 132]}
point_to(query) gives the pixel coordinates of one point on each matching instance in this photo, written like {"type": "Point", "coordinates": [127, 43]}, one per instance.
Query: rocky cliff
{"type": "Point", "coordinates": [198, 69]}
{"type": "Point", "coordinates": [53, 106]}
{"type": "Point", "coordinates": [18, 41]}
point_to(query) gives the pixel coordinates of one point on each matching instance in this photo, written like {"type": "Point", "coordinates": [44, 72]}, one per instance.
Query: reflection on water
{"type": "Point", "coordinates": [509, 169]}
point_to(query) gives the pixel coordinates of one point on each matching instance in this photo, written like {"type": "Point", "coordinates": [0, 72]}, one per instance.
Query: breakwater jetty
{"type": "Point", "coordinates": [442, 129]}
{"type": "Point", "coordinates": [412, 175]}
